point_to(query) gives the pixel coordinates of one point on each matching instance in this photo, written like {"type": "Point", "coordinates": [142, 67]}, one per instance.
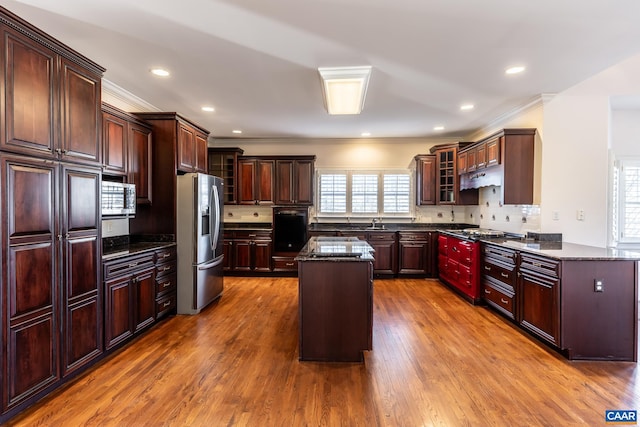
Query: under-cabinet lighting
{"type": "Point", "coordinates": [208, 109]}
{"type": "Point", "coordinates": [365, 134]}
{"type": "Point", "coordinates": [465, 107]}
{"type": "Point", "coordinates": [438, 128]}
{"type": "Point", "coordinates": [344, 88]}
{"type": "Point", "coordinates": [236, 131]}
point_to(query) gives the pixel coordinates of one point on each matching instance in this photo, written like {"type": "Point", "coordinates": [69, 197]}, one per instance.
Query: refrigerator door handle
{"type": "Point", "coordinates": [215, 219]}
{"type": "Point", "coordinates": [215, 262]}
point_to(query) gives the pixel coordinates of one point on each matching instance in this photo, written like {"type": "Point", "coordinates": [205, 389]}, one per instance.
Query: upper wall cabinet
{"type": "Point", "coordinates": [508, 162]}
{"type": "Point", "coordinates": [448, 191]}
{"type": "Point", "coordinates": [294, 180]}
{"type": "Point", "coordinates": [223, 162]}
{"type": "Point", "coordinates": [256, 178]}
{"type": "Point", "coordinates": [50, 97]}
{"type": "Point", "coordinates": [127, 149]}
{"type": "Point", "coordinates": [425, 179]}
{"type": "Point", "coordinates": [192, 148]}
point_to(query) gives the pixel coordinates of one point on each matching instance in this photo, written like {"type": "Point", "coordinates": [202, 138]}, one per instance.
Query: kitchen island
{"type": "Point", "coordinates": [335, 299]}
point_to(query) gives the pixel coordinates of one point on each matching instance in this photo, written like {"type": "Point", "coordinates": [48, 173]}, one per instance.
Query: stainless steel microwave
{"type": "Point", "coordinates": [118, 199]}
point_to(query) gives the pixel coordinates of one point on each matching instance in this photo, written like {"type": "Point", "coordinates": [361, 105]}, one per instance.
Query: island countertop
{"type": "Point", "coordinates": [336, 248]}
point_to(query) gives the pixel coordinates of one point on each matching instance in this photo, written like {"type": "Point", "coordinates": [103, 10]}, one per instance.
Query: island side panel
{"type": "Point", "coordinates": [335, 309]}
{"type": "Point", "coordinates": [600, 325]}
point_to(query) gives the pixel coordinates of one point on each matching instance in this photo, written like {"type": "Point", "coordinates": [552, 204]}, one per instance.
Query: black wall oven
{"type": "Point", "coordinates": [289, 229]}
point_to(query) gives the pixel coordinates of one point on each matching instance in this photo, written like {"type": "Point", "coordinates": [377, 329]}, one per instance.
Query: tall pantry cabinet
{"type": "Point", "coordinates": [50, 157]}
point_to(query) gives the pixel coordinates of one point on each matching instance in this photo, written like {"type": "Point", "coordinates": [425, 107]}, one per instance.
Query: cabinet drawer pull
{"type": "Point", "coordinates": [504, 275]}
{"type": "Point", "coordinates": [289, 264]}
{"type": "Point", "coordinates": [166, 285]}
{"type": "Point", "coordinates": [133, 264]}
{"type": "Point", "coordinates": [504, 301]}
{"type": "Point", "coordinates": [168, 267]}
{"type": "Point", "coordinates": [536, 264]}
{"type": "Point", "coordinates": [167, 255]}
{"type": "Point", "coordinates": [166, 304]}
{"type": "Point", "coordinates": [486, 291]}
{"type": "Point", "coordinates": [486, 267]}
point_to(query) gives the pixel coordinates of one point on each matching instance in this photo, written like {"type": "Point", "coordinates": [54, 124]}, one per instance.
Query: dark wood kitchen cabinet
{"type": "Point", "coordinates": [168, 133]}
{"type": "Point", "coordinates": [54, 311]}
{"type": "Point", "coordinates": [223, 162]}
{"type": "Point", "coordinates": [385, 245]}
{"type": "Point", "coordinates": [256, 181]}
{"type": "Point", "coordinates": [127, 148]}
{"type": "Point", "coordinates": [191, 148]}
{"type": "Point", "coordinates": [447, 180]}
{"type": "Point", "coordinates": [425, 179]}
{"type": "Point", "coordinates": [414, 253]}
{"type": "Point", "coordinates": [505, 159]}
{"type": "Point", "coordinates": [166, 281]}
{"type": "Point", "coordinates": [335, 300]}
{"type": "Point", "coordinates": [539, 292]}
{"type": "Point", "coordinates": [50, 97]}
{"type": "Point", "coordinates": [50, 154]}
{"type": "Point", "coordinates": [130, 304]}
{"type": "Point", "coordinates": [294, 180]}
{"type": "Point", "coordinates": [499, 277]}
{"type": "Point", "coordinates": [250, 251]}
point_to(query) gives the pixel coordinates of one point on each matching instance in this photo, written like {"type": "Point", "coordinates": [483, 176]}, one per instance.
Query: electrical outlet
{"type": "Point", "coordinates": [598, 285]}
{"type": "Point", "coordinates": [555, 215]}
{"type": "Point", "coordinates": [580, 214]}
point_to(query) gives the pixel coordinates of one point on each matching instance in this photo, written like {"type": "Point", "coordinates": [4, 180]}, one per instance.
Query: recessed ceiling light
{"type": "Point", "coordinates": [208, 109]}
{"type": "Point", "coordinates": [161, 72]}
{"type": "Point", "coordinates": [438, 128]}
{"type": "Point", "coordinates": [236, 131]}
{"type": "Point", "coordinates": [465, 107]}
{"type": "Point", "coordinates": [514, 70]}
{"type": "Point", "coordinates": [365, 134]}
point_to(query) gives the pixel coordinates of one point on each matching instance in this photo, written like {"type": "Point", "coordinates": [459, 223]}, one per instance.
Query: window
{"type": "Point", "coordinates": [365, 193]}
{"type": "Point", "coordinates": [626, 201]}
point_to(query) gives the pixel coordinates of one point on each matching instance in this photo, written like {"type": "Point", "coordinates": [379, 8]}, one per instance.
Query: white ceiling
{"type": "Point", "coordinates": [256, 61]}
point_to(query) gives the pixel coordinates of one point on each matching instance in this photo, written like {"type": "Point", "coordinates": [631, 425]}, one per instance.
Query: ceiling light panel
{"type": "Point", "coordinates": [344, 88]}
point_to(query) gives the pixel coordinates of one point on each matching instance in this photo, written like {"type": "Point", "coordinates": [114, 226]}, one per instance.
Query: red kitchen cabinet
{"type": "Point", "coordinates": [459, 265]}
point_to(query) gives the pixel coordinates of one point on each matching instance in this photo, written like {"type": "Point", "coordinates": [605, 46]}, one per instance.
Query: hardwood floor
{"type": "Point", "coordinates": [436, 360]}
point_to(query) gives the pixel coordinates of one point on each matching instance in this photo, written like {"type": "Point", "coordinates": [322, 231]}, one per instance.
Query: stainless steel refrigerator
{"type": "Point", "coordinates": [199, 238]}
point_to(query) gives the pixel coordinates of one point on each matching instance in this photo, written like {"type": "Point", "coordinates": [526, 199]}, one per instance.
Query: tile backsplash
{"type": "Point", "coordinates": [490, 213]}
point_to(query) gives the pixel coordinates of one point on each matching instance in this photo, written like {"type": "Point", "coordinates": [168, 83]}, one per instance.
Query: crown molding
{"type": "Point", "coordinates": [501, 121]}
{"type": "Point", "coordinates": [123, 99]}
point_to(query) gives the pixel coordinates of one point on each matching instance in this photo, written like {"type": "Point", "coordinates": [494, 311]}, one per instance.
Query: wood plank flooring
{"type": "Point", "coordinates": [436, 360]}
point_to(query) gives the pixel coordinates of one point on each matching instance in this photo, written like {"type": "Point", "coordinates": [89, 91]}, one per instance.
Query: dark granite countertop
{"type": "Point", "coordinates": [414, 226]}
{"type": "Point", "coordinates": [133, 249]}
{"type": "Point", "coordinates": [229, 226]}
{"type": "Point", "coordinates": [566, 251]}
{"type": "Point", "coordinates": [336, 249]}
{"type": "Point", "coordinates": [121, 246]}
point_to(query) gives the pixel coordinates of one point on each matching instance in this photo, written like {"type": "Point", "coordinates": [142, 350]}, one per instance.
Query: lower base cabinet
{"type": "Point", "coordinates": [248, 251]}
{"type": "Point", "coordinates": [556, 300]}
{"type": "Point", "coordinates": [335, 300]}
{"type": "Point", "coordinates": [166, 282]}
{"type": "Point", "coordinates": [139, 290]}
{"type": "Point", "coordinates": [129, 297]}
